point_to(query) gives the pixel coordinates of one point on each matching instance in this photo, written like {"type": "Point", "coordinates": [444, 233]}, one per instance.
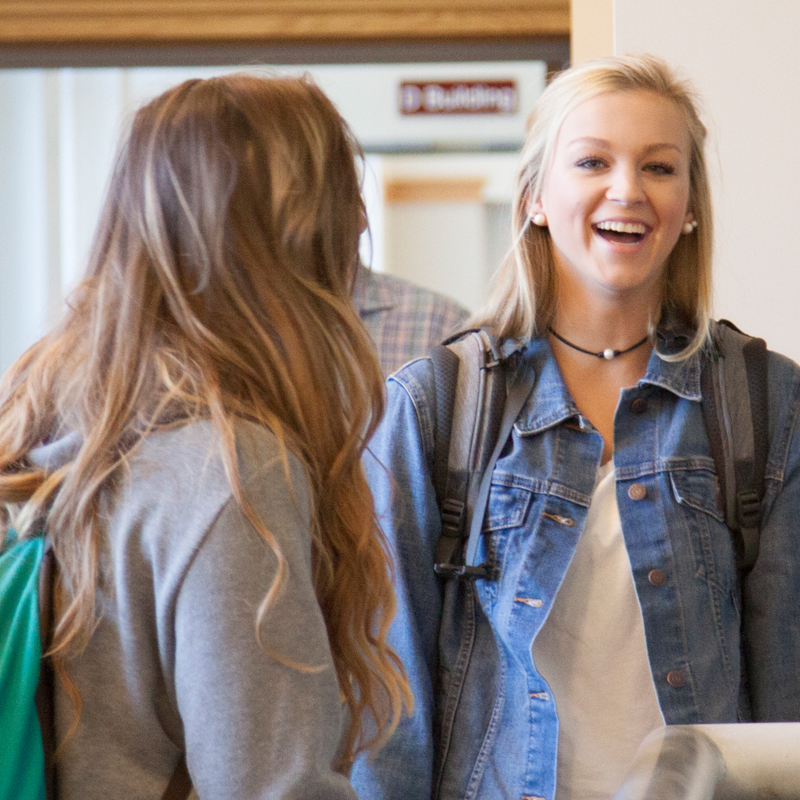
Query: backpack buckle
{"type": "Point", "coordinates": [452, 511]}
{"type": "Point", "coordinates": [463, 572]}
{"type": "Point", "coordinates": [748, 508]}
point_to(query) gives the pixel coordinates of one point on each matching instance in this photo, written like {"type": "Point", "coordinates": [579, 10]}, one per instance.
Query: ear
{"type": "Point", "coordinates": [535, 206]}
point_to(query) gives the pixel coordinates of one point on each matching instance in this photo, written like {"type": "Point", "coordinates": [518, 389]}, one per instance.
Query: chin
{"type": "Point", "coordinates": [624, 285]}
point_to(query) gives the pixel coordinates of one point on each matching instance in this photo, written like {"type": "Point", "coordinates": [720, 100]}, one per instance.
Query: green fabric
{"type": "Point", "coordinates": [21, 753]}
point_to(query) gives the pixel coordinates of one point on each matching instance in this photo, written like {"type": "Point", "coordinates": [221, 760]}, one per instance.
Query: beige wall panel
{"type": "Point", "coordinates": [592, 34]}
{"type": "Point", "coordinates": [152, 21]}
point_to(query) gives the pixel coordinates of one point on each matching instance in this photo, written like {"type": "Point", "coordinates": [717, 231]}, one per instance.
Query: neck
{"type": "Point", "coordinates": [599, 323]}
{"type": "Point", "coordinates": [596, 340]}
{"type": "Point", "coordinates": [595, 327]}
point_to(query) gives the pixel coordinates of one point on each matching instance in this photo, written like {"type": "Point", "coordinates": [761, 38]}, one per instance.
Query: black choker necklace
{"type": "Point", "coordinates": [607, 354]}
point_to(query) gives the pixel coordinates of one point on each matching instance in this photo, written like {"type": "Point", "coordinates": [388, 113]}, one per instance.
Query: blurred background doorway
{"type": "Point", "coordinates": [440, 117]}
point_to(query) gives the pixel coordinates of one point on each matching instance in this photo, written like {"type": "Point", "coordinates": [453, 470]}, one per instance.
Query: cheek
{"type": "Point", "coordinates": [674, 210]}
{"type": "Point", "coordinates": [567, 225]}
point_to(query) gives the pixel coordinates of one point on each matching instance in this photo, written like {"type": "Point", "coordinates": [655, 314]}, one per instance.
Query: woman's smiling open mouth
{"type": "Point", "coordinates": [621, 232]}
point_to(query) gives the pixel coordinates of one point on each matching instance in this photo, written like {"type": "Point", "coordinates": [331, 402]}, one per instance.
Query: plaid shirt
{"type": "Point", "coordinates": [405, 321]}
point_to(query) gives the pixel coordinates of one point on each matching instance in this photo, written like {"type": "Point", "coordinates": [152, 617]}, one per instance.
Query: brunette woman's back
{"type": "Point", "coordinates": [189, 574]}
{"type": "Point", "coordinates": [189, 439]}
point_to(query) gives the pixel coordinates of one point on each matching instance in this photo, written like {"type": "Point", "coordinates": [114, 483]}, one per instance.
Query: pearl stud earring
{"type": "Point", "coordinates": [539, 219]}
{"type": "Point", "coordinates": [689, 226]}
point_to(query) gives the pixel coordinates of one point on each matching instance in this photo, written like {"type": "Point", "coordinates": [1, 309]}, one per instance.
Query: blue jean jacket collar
{"type": "Point", "coordinates": [551, 403]}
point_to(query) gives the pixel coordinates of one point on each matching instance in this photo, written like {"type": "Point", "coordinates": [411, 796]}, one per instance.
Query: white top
{"type": "Point", "coordinates": [592, 652]}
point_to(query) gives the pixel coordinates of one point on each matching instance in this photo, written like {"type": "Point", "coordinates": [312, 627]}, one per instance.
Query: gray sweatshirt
{"type": "Point", "coordinates": [174, 663]}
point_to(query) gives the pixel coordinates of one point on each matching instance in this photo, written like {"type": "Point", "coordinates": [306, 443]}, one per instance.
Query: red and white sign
{"type": "Point", "coordinates": [458, 97]}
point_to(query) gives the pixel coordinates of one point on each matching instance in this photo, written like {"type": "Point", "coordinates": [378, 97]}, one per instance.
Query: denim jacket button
{"type": "Point", "coordinates": [638, 405]}
{"type": "Point", "coordinates": [657, 577]}
{"type": "Point", "coordinates": [676, 678]}
{"type": "Point", "coordinates": [637, 491]}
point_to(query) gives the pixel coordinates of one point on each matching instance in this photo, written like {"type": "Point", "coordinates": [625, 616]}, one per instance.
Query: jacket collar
{"type": "Point", "coordinates": [679, 377]}
{"type": "Point", "coordinates": [550, 403]}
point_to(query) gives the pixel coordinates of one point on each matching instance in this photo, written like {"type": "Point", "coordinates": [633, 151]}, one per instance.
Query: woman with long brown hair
{"type": "Point", "coordinates": [189, 439]}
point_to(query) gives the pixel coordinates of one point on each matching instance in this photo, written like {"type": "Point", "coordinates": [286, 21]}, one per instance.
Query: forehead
{"type": "Point", "coordinates": [635, 119]}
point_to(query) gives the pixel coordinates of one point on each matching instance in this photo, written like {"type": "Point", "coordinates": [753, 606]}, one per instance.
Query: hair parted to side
{"type": "Point", "coordinates": [218, 288]}
{"type": "Point", "coordinates": [522, 302]}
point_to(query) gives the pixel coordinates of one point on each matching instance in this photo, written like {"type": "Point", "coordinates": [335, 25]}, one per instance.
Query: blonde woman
{"type": "Point", "coordinates": [608, 600]}
{"type": "Point", "coordinates": [190, 439]}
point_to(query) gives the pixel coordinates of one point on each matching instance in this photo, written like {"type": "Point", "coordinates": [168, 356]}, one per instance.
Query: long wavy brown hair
{"type": "Point", "coordinates": [218, 288]}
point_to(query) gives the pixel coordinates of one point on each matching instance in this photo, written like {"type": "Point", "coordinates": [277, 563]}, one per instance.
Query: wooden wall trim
{"type": "Point", "coordinates": [434, 190]}
{"type": "Point", "coordinates": [107, 22]}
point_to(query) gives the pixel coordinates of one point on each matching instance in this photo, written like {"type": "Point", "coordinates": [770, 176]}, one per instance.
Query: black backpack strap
{"type": "Point", "coordinates": [445, 371]}
{"type": "Point", "coordinates": [45, 688]}
{"type": "Point", "coordinates": [470, 395]}
{"type": "Point", "coordinates": [734, 382]}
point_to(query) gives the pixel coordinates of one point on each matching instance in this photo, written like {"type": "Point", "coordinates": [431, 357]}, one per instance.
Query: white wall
{"type": "Point", "coordinates": [744, 59]}
{"type": "Point", "coordinates": [58, 133]}
{"type": "Point", "coordinates": [29, 241]}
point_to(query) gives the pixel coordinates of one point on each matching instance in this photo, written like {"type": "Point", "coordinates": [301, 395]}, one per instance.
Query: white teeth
{"type": "Point", "coordinates": [622, 227]}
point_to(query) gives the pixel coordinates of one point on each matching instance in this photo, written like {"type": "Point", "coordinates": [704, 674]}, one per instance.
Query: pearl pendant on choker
{"type": "Point", "coordinates": [608, 354]}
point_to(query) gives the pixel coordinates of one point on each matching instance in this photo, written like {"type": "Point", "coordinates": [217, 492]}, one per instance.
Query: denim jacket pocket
{"type": "Point", "coordinates": [697, 489]}
{"type": "Point", "coordinates": [716, 593]}
{"type": "Point", "coordinates": [697, 494]}
{"type": "Point", "coordinates": [508, 504]}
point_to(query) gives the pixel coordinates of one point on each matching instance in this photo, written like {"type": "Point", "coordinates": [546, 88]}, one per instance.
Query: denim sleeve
{"type": "Point", "coordinates": [398, 468]}
{"type": "Point", "coordinates": [772, 590]}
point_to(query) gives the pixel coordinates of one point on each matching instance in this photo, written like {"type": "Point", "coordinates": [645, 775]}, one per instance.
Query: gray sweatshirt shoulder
{"type": "Point", "coordinates": [183, 659]}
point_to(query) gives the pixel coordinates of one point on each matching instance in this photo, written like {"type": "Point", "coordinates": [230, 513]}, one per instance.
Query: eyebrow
{"type": "Point", "coordinates": [604, 143]}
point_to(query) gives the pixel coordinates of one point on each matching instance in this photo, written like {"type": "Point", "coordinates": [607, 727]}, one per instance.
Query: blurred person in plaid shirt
{"type": "Point", "coordinates": [405, 321]}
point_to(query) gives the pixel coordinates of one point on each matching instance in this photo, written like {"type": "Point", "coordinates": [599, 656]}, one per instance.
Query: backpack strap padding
{"type": "Point", "coordinates": [750, 473]}
{"type": "Point", "coordinates": [445, 371]}
{"type": "Point", "coordinates": [471, 418]}
{"type": "Point", "coordinates": [756, 364]}
{"type": "Point", "coordinates": [735, 397]}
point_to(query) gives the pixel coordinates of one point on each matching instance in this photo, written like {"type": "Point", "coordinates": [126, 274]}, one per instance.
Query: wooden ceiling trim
{"type": "Point", "coordinates": [101, 22]}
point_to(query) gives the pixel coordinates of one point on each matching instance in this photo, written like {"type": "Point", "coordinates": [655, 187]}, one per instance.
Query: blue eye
{"type": "Point", "coordinates": [592, 162]}
{"type": "Point", "coordinates": [660, 169]}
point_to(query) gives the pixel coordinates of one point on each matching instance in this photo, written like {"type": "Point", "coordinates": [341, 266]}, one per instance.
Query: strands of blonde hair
{"type": "Point", "coordinates": [218, 289]}
{"type": "Point", "coordinates": [522, 303]}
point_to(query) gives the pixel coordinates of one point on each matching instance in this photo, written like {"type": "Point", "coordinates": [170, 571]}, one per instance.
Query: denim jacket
{"type": "Point", "coordinates": [485, 724]}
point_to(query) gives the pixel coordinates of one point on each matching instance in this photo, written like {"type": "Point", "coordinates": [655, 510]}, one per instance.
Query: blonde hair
{"type": "Point", "coordinates": [218, 288]}
{"type": "Point", "coordinates": [522, 303]}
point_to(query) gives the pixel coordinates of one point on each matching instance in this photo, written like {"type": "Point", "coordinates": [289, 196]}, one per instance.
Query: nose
{"type": "Point", "coordinates": [626, 185]}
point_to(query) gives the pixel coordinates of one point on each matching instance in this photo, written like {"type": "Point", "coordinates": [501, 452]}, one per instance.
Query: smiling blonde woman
{"type": "Point", "coordinates": [604, 598]}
